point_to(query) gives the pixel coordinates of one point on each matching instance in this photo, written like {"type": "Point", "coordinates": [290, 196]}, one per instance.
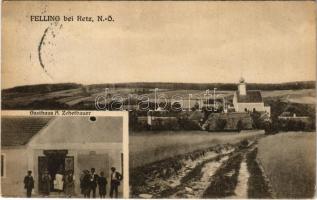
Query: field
{"type": "Point", "coordinates": [74, 96]}
{"type": "Point", "coordinates": [146, 147]}
{"type": "Point", "coordinates": [305, 96]}
{"type": "Point", "coordinates": [288, 160]}
{"type": "Point", "coordinates": [196, 164]}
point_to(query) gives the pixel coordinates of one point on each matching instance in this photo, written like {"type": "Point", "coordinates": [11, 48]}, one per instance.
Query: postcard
{"type": "Point", "coordinates": [219, 96]}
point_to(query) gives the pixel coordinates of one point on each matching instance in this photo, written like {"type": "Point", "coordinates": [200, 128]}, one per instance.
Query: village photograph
{"type": "Point", "coordinates": [220, 97]}
{"type": "Point", "coordinates": [61, 157]}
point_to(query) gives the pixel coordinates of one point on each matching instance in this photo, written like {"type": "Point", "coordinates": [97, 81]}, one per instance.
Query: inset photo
{"type": "Point", "coordinates": [78, 155]}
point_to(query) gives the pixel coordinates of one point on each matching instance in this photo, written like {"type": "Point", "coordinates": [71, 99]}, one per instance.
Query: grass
{"type": "Point", "coordinates": [257, 186]}
{"type": "Point", "coordinates": [147, 147]}
{"type": "Point", "coordinates": [288, 160]}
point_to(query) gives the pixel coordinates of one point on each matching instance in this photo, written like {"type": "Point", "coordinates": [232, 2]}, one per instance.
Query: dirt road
{"type": "Point", "coordinates": [221, 171]}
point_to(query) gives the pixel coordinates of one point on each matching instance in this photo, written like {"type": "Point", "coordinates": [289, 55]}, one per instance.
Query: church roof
{"type": "Point", "coordinates": [252, 96]}
{"type": "Point", "coordinates": [16, 131]}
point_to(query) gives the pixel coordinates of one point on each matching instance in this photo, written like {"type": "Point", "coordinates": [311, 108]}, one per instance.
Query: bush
{"type": "Point", "coordinates": [294, 125]}
{"type": "Point", "coordinates": [239, 125]}
{"type": "Point", "coordinates": [270, 128]}
{"type": "Point", "coordinates": [256, 118]}
{"type": "Point", "coordinates": [221, 124]}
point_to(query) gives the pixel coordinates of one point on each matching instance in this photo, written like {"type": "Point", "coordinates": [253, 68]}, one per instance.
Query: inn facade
{"type": "Point", "coordinates": [53, 143]}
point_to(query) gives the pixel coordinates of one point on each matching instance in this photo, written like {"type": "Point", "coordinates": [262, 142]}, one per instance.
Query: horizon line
{"type": "Point", "coordinates": [158, 82]}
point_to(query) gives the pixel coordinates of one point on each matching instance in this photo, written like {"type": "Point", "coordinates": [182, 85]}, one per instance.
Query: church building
{"type": "Point", "coordinates": [248, 100]}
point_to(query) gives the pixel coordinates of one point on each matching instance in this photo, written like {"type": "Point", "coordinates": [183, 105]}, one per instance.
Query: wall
{"type": "Point", "coordinates": [242, 89]}
{"type": "Point", "coordinates": [81, 130]}
{"type": "Point", "coordinates": [249, 106]}
{"type": "Point", "coordinates": [16, 167]}
{"type": "Point", "coordinates": [101, 160]}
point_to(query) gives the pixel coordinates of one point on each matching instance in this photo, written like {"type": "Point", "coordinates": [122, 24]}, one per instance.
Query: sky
{"type": "Point", "coordinates": [196, 42]}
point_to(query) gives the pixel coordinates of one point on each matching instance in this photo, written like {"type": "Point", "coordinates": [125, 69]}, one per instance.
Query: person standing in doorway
{"type": "Point", "coordinates": [46, 183]}
{"type": "Point", "coordinates": [102, 183]}
{"type": "Point", "coordinates": [116, 177]}
{"type": "Point", "coordinates": [93, 182]}
{"type": "Point", "coordinates": [29, 184]}
{"type": "Point", "coordinates": [58, 182]}
{"type": "Point", "coordinates": [69, 184]}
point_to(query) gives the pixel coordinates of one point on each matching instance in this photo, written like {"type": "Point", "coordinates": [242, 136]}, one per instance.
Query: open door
{"type": "Point", "coordinates": [42, 165]}
{"type": "Point", "coordinates": [69, 163]}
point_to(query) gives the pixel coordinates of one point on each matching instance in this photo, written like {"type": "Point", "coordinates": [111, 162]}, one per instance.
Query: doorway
{"type": "Point", "coordinates": [54, 161]}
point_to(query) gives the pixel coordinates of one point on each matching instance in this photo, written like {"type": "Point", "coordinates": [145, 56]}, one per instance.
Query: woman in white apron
{"type": "Point", "coordinates": [58, 181]}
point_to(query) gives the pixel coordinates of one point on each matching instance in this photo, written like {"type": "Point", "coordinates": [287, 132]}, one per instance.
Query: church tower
{"type": "Point", "coordinates": [242, 88]}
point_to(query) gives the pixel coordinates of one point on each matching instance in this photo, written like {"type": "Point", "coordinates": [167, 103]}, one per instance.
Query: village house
{"type": "Point", "coordinates": [248, 100]}
{"type": "Point", "coordinates": [291, 121]}
{"type": "Point", "coordinates": [53, 143]}
{"type": "Point", "coordinates": [159, 119]}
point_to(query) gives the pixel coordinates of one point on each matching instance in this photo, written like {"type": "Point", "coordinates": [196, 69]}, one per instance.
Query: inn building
{"type": "Point", "coordinates": [53, 143]}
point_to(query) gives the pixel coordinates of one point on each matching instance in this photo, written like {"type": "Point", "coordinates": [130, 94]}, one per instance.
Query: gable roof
{"type": "Point", "coordinates": [252, 96]}
{"type": "Point", "coordinates": [16, 131]}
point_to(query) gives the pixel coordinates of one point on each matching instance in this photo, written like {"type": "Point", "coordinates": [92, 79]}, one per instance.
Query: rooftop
{"type": "Point", "coordinates": [16, 131]}
{"type": "Point", "coordinates": [252, 96]}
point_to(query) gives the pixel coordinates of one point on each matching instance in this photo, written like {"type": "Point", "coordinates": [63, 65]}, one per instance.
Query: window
{"type": "Point", "coordinates": [2, 165]}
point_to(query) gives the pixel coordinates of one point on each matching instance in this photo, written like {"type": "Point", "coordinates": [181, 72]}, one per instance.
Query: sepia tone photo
{"type": "Point", "coordinates": [220, 95]}
{"type": "Point", "coordinates": [45, 155]}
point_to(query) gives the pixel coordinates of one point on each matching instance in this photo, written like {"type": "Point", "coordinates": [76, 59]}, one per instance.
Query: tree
{"type": "Point", "coordinates": [221, 124]}
{"type": "Point", "coordinates": [239, 125]}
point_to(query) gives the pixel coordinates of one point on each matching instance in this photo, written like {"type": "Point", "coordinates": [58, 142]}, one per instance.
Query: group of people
{"type": "Point", "coordinates": [60, 183]}
{"type": "Point", "coordinates": [66, 183]}
{"type": "Point", "coordinates": [90, 180]}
